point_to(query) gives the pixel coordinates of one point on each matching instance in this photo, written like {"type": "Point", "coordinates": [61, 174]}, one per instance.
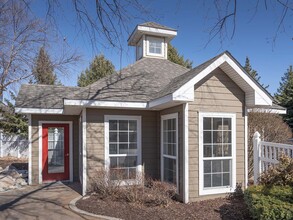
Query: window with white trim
{"type": "Point", "coordinates": [217, 154]}
{"type": "Point", "coordinates": [169, 148]}
{"type": "Point", "coordinates": [155, 46]}
{"type": "Point", "coordinates": [123, 146]}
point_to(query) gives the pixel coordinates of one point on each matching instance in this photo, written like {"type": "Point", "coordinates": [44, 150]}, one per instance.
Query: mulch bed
{"type": "Point", "coordinates": [18, 163]}
{"type": "Point", "coordinates": [221, 208]}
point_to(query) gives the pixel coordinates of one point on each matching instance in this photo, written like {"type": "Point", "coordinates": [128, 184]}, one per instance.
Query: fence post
{"type": "Point", "coordinates": [256, 155]}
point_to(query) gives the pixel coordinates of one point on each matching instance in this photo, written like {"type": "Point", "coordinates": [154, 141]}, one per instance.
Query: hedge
{"type": "Point", "coordinates": [274, 202]}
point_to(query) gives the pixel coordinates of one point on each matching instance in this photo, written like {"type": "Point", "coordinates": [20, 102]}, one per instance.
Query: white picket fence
{"type": "Point", "coordinates": [13, 145]}
{"type": "Point", "coordinates": [266, 154]}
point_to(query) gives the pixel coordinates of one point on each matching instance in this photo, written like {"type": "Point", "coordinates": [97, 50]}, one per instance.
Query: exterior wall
{"type": "Point", "coordinates": [35, 142]}
{"type": "Point", "coordinates": [95, 145]}
{"type": "Point", "coordinates": [177, 109]}
{"type": "Point", "coordinates": [215, 93]}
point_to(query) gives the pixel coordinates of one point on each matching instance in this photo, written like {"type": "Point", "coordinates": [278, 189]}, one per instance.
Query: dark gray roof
{"type": "Point", "coordinates": [141, 81]}
{"type": "Point", "coordinates": [156, 25]}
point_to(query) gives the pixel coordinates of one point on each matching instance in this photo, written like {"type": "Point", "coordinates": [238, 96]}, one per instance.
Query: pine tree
{"type": "Point", "coordinates": [11, 122]}
{"type": "Point", "coordinates": [284, 95]}
{"type": "Point", "coordinates": [43, 70]}
{"type": "Point", "coordinates": [175, 57]}
{"type": "Point", "coordinates": [252, 72]}
{"type": "Point", "coordinates": [99, 68]}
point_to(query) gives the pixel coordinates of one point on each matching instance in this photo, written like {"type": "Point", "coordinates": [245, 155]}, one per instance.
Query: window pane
{"type": "Point", "coordinates": [132, 137]}
{"type": "Point", "coordinates": [226, 136]}
{"type": "Point", "coordinates": [118, 174]}
{"type": "Point", "coordinates": [217, 151]}
{"type": "Point", "coordinates": [216, 180]}
{"type": "Point", "coordinates": [123, 148]}
{"type": "Point", "coordinates": [207, 166]}
{"type": "Point", "coordinates": [170, 170]}
{"type": "Point", "coordinates": [113, 137]}
{"type": "Point", "coordinates": [227, 150]}
{"type": "Point", "coordinates": [113, 149]}
{"type": "Point", "coordinates": [207, 137]}
{"type": "Point", "coordinates": [133, 148]}
{"type": "Point", "coordinates": [123, 136]}
{"type": "Point", "coordinates": [207, 150]}
{"type": "Point", "coordinates": [227, 124]}
{"type": "Point", "coordinates": [131, 161]}
{"type": "Point", "coordinates": [123, 125]}
{"type": "Point", "coordinates": [216, 166]}
{"type": "Point", "coordinates": [132, 125]}
{"type": "Point", "coordinates": [217, 123]}
{"type": "Point", "coordinates": [217, 136]}
{"type": "Point", "coordinates": [207, 123]}
{"type": "Point", "coordinates": [113, 162]}
{"type": "Point", "coordinates": [226, 179]}
{"type": "Point", "coordinates": [207, 182]}
{"type": "Point", "coordinates": [226, 165]}
{"type": "Point", "coordinates": [113, 125]}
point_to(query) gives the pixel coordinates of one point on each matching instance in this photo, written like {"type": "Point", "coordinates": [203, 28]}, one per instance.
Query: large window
{"type": "Point", "coordinates": [169, 148]}
{"type": "Point", "coordinates": [155, 46]}
{"type": "Point", "coordinates": [123, 147]}
{"type": "Point", "coordinates": [217, 146]}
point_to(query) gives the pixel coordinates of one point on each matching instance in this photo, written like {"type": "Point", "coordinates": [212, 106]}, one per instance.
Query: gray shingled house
{"type": "Point", "coordinates": [187, 127]}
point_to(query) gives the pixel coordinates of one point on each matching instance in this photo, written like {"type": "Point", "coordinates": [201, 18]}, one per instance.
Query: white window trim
{"type": "Point", "coordinates": [70, 123]}
{"type": "Point", "coordinates": [166, 117]}
{"type": "Point", "coordinates": [217, 190]}
{"type": "Point", "coordinates": [148, 38]}
{"type": "Point", "coordinates": [107, 158]}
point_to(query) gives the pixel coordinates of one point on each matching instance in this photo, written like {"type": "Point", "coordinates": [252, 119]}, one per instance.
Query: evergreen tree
{"type": "Point", "coordinates": [284, 95]}
{"type": "Point", "coordinates": [11, 122]}
{"type": "Point", "coordinates": [252, 72]}
{"type": "Point", "coordinates": [175, 57]}
{"type": "Point", "coordinates": [43, 70]}
{"type": "Point", "coordinates": [99, 68]}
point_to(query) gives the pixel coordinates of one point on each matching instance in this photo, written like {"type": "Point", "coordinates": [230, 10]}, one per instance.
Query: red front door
{"type": "Point", "coordinates": [55, 152]}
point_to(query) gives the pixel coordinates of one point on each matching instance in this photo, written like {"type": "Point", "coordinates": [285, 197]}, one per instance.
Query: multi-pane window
{"type": "Point", "coordinates": [55, 150]}
{"type": "Point", "coordinates": [155, 46]}
{"type": "Point", "coordinates": [217, 151]}
{"type": "Point", "coordinates": [123, 148]}
{"type": "Point", "coordinates": [169, 148]}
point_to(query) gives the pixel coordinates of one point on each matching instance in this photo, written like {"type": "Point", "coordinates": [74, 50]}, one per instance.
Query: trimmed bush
{"type": "Point", "coordinates": [275, 202]}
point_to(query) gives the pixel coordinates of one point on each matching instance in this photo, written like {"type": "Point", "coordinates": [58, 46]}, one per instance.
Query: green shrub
{"type": "Point", "coordinates": [270, 202]}
{"type": "Point", "coordinates": [279, 175]}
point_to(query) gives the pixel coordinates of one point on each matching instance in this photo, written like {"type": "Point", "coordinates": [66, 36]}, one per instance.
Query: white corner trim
{"type": "Point", "coordinates": [185, 153]}
{"type": "Point", "coordinates": [84, 154]}
{"type": "Point", "coordinates": [29, 149]}
{"type": "Point", "coordinates": [219, 190]}
{"type": "Point", "coordinates": [38, 111]}
{"type": "Point", "coordinates": [246, 148]}
{"type": "Point", "coordinates": [70, 123]}
{"type": "Point", "coordinates": [112, 104]}
{"type": "Point", "coordinates": [166, 117]}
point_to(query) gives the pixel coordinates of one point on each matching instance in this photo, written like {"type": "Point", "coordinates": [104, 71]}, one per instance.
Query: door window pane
{"type": "Point", "coordinates": [55, 150]}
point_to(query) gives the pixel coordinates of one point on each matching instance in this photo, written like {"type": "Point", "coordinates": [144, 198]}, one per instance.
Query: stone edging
{"type": "Point", "coordinates": [73, 207]}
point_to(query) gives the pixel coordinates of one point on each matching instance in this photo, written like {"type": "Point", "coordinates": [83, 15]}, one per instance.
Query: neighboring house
{"type": "Point", "coordinates": [187, 127]}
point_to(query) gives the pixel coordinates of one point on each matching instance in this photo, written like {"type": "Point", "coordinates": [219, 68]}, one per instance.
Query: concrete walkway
{"type": "Point", "coordinates": [48, 201]}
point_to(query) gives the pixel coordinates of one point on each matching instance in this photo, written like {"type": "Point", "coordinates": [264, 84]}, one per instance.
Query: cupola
{"type": "Point", "coordinates": [151, 40]}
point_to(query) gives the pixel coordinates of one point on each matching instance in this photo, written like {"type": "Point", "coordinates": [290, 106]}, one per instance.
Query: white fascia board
{"type": "Point", "coordinates": [160, 101]}
{"type": "Point", "coordinates": [157, 31]}
{"type": "Point", "coordinates": [187, 87]}
{"type": "Point", "coordinates": [112, 104]}
{"type": "Point", "coordinates": [261, 98]}
{"type": "Point", "coordinates": [268, 110]}
{"type": "Point", "coordinates": [38, 111]}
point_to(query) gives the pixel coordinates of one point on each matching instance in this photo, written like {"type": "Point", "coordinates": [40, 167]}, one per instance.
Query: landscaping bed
{"type": "Point", "coordinates": [221, 208]}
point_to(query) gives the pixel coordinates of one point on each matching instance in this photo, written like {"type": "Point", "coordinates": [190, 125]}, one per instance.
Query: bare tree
{"type": "Point", "coordinates": [21, 36]}
{"type": "Point", "coordinates": [224, 26]}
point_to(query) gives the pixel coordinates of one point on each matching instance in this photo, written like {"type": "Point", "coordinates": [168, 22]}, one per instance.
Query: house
{"type": "Point", "coordinates": [187, 127]}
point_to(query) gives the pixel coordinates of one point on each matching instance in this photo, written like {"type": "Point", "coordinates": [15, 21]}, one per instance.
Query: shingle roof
{"type": "Point", "coordinates": [141, 81]}
{"type": "Point", "coordinates": [156, 25]}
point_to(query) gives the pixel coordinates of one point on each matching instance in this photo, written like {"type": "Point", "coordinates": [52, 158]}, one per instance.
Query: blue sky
{"type": "Point", "coordinates": [193, 19]}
